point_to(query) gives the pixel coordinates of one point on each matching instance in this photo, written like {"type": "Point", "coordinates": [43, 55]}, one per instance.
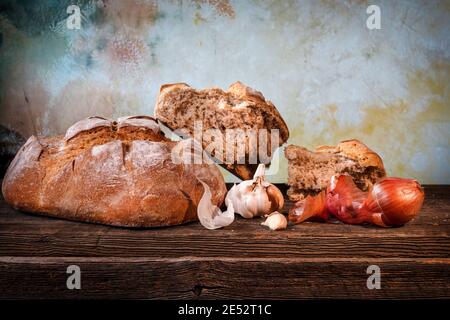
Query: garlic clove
{"type": "Point", "coordinates": [275, 221]}
{"type": "Point", "coordinates": [276, 198]}
{"type": "Point", "coordinates": [237, 196]}
{"type": "Point", "coordinates": [210, 216]}
{"type": "Point", "coordinates": [258, 202]}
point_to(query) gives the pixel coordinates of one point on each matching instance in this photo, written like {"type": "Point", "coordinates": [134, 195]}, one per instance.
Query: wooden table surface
{"type": "Point", "coordinates": [244, 260]}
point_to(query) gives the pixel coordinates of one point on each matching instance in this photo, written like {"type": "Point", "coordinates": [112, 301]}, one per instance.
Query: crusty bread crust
{"type": "Point", "coordinates": [239, 99]}
{"type": "Point", "coordinates": [111, 172]}
{"type": "Point", "coordinates": [356, 150]}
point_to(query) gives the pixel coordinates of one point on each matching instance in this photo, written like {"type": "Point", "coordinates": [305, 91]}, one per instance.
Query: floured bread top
{"type": "Point", "coordinates": [95, 131]}
{"type": "Point", "coordinates": [91, 123]}
{"type": "Point", "coordinates": [86, 125]}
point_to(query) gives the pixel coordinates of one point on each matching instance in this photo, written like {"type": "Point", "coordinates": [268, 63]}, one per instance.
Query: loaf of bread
{"type": "Point", "coordinates": [118, 173]}
{"type": "Point", "coordinates": [309, 172]}
{"type": "Point", "coordinates": [240, 107]}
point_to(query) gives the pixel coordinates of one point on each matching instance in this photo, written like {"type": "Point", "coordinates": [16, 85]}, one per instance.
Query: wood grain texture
{"type": "Point", "coordinates": [245, 260]}
{"type": "Point", "coordinates": [206, 278]}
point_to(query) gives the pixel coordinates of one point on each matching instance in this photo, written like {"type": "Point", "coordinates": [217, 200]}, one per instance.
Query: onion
{"type": "Point", "coordinates": [344, 200]}
{"type": "Point", "coordinates": [390, 202]}
{"type": "Point", "coordinates": [397, 200]}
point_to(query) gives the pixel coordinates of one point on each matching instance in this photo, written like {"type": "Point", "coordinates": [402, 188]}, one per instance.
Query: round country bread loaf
{"type": "Point", "coordinates": [118, 173]}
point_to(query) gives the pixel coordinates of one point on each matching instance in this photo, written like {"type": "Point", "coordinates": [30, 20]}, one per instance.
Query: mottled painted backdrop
{"type": "Point", "coordinates": [330, 77]}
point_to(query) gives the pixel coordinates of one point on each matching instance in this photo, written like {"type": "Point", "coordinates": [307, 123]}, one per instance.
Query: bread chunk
{"type": "Point", "coordinates": [310, 171]}
{"type": "Point", "coordinates": [179, 106]}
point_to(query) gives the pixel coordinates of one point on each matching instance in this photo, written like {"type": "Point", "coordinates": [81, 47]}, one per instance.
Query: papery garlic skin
{"type": "Point", "coordinates": [257, 197]}
{"type": "Point", "coordinates": [275, 221]}
{"type": "Point", "coordinates": [210, 216]}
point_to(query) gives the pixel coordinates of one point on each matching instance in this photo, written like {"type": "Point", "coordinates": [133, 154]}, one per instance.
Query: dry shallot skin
{"type": "Point", "coordinates": [390, 202]}
{"type": "Point", "coordinates": [310, 207]}
{"type": "Point", "coordinates": [345, 201]}
{"type": "Point", "coordinates": [397, 200]}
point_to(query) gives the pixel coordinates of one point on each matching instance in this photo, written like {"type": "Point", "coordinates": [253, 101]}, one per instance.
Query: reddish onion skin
{"type": "Point", "coordinates": [390, 202]}
{"type": "Point", "coordinates": [345, 201]}
{"type": "Point", "coordinates": [398, 200]}
{"type": "Point", "coordinates": [310, 207]}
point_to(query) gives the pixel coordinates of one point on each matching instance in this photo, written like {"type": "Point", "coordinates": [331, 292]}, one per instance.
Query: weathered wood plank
{"type": "Point", "coordinates": [30, 235]}
{"type": "Point", "coordinates": [191, 277]}
{"type": "Point", "coordinates": [311, 260]}
{"type": "Point", "coordinates": [19, 242]}
{"type": "Point", "coordinates": [244, 237]}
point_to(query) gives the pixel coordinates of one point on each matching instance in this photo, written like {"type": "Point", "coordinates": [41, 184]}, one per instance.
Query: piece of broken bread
{"type": "Point", "coordinates": [310, 171]}
{"type": "Point", "coordinates": [179, 106]}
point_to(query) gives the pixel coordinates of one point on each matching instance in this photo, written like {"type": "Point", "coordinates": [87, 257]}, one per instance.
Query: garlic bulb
{"type": "Point", "coordinates": [256, 197]}
{"type": "Point", "coordinates": [275, 221]}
